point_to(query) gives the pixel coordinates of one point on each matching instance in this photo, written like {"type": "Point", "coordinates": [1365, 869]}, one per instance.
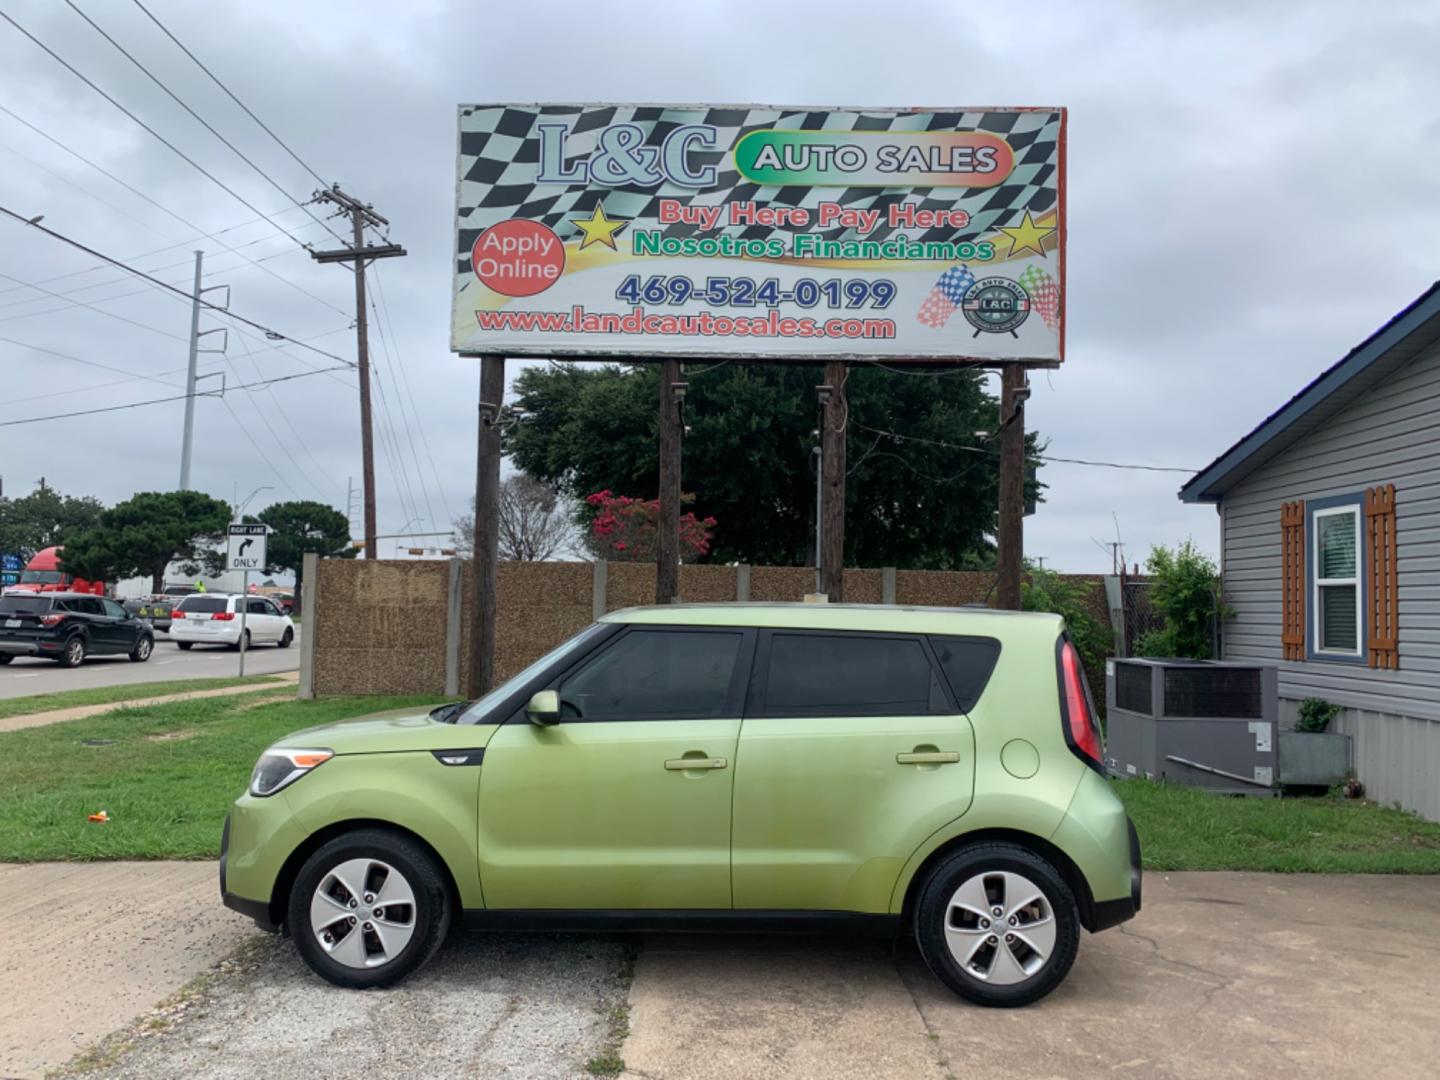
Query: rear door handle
{"type": "Point", "coordinates": [687, 763]}
{"type": "Point", "coordinates": [930, 757]}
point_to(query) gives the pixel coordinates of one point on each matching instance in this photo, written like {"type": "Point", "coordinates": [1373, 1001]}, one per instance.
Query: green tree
{"type": "Point", "coordinates": [301, 527]}
{"type": "Point", "coordinates": [42, 519]}
{"type": "Point", "coordinates": [1185, 590]}
{"type": "Point", "coordinates": [144, 534]}
{"type": "Point", "coordinates": [926, 500]}
{"type": "Point", "coordinates": [1070, 598]}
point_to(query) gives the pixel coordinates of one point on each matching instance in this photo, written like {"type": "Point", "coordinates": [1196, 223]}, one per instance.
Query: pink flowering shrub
{"type": "Point", "coordinates": [624, 529]}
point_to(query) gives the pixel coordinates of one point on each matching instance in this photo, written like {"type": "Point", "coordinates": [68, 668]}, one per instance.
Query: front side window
{"type": "Point", "coordinates": [114, 610]}
{"type": "Point", "coordinates": [659, 674]}
{"type": "Point", "coordinates": [1336, 582]}
{"type": "Point", "coordinates": [850, 675]}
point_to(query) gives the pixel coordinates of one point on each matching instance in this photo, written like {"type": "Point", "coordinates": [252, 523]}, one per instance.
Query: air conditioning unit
{"type": "Point", "coordinates": [1205, 724]}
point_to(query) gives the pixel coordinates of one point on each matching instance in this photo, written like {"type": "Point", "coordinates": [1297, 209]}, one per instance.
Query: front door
{"type": "Point", "coordinates": [852, 752]}
{"type": "Point", "coordinates": [625, 803]}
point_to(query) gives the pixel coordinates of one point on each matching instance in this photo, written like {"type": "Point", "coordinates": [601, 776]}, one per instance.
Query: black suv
{"type": "Point", "coordinates": [68, 627]}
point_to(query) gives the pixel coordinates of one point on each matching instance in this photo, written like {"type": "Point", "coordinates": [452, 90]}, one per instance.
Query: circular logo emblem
{"type": "Point", "coordinates": [518, 257]}
{"type": "Point", "coordinates": [995, 305]}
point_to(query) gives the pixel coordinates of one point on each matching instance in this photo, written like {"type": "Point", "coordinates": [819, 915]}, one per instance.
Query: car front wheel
{"type": "Point", "coordinates": [998, 925]}
{"type": "Point", "coordinates": [369, 908]}
{"type": "Point", "coordinates": [286, 638]}
{"type": "Point", "coordinates": [143, 648]}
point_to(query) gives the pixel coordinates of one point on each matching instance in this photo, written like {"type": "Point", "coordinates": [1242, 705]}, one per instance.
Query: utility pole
{"type": "Point", "coordinates": [1009, 533]}
{"type": "Point", "coordinates": [833, 419]}
{"type": "Point", "coordinates": [667, 539]}
{"type": "Point", "coordinates": [191, 377]}
{"type": "Point", "coordinates": [361, 255]}
{"type": "Point", "coordinates": [486, 555]}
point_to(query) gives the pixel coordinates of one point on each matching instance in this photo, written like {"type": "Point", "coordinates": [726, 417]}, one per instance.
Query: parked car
{"type": "Point", "coordinates": [68, 627]}
{"type": "Point", "coordinates": [934, 772]}
{"type": "Point", "coordinates": [214, 619]}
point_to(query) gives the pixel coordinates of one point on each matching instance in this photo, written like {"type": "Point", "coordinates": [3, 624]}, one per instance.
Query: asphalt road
{"type": "Point", "coordinates": [26, 675]}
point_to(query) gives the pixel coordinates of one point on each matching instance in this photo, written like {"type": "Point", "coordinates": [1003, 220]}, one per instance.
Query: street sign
{"type": "Point", "coordinates": [245, 549]}
{"type": "Point", "coordinates": [758, 232]}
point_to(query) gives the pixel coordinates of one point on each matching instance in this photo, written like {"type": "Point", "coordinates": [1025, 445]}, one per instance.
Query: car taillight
{"type": "Point", "coordinates": [177, 614]}
{"type": "Point", "coordinates": [223, 616]}
{"type": "Point", "coordinates": [52, 620]}
{"type": "Point", "coordinates": [1081, 726]}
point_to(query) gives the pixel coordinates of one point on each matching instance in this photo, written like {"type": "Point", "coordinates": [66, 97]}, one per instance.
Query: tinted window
{"type": "Point", "coordinates": [114, 610]}
{"type": "Point", "coordinates": [83, 605]}
{"type": "Point", "coordinates": [24, 605]}
{"type": "Point", "coordinates": [257, 607]}
{"type": "Point", "coordinates": [967, 664]}
{"type": "Point", "coordinates": [203, 604]}
{"type": "Point", "coordinates": [657, 673]}
{"type": "Point", "coordinates": [850, 675]}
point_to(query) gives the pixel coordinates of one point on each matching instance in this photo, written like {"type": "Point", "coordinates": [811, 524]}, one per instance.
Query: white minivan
{"type": "Point", "coordinates": [214, 619]}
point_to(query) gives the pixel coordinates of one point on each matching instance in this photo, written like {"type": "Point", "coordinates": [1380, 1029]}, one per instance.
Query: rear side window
{"type": "Point", "coordinates": [967, 664]}
{"type": "Point", "coordinates": [850, 675]}
{"type": "Point", "coordinates": [657, 674]}
{"type": "Point", "coordinates": [83, 605]}
{"type": "Point", "coordinates": [24, 605]}
{"type": "Point", "coordinates": [204, 604]}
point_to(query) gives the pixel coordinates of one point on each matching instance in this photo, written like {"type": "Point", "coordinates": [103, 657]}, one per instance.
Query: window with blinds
{"type": "Point", "coordinates": [1337, 581]}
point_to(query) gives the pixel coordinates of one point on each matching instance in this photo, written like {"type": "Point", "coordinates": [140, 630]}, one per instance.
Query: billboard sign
{"type": "Point", "coordinates": [760, 232]}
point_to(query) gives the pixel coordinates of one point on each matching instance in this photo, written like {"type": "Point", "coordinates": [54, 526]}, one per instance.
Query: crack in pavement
{"type": "Point", "coordinates": [1223, 982]}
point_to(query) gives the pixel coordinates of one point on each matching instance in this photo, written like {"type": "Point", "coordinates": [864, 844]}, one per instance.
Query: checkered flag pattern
{"type": "Point", "coordinates": [1044, 294]}
{"type": "Point", "coordinates": [500, 155]}
{"type": "Point", "coordinates": [945, 297]}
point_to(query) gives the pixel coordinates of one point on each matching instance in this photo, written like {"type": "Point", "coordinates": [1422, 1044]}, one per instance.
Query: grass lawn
{"type": "Point", "coordinates": [104, 695]}
{"type": "Point", "coordinates": [165, 773]}
{"type": "Point", "coordinates": [1184, 829]}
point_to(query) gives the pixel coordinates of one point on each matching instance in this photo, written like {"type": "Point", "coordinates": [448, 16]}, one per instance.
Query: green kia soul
{"type": "Point", "coordinates": [908, 770]}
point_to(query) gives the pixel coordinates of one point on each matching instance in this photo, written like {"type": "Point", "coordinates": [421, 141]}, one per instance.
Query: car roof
{"type": "Point", "coordinates": [883, 617]}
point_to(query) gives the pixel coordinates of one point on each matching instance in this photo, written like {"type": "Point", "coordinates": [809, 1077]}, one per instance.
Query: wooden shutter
{"type": "Point", "coordinates": [1292, 580]}
{"type": "Point", "coordinates": [1383, 584]}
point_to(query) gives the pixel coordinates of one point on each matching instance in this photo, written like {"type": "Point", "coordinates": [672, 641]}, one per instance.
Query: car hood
{"type": "Point", "coordinates": [387, 733]}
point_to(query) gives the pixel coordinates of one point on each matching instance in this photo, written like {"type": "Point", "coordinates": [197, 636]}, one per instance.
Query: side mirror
{"type": "Point", "coordinates": [544, 708]}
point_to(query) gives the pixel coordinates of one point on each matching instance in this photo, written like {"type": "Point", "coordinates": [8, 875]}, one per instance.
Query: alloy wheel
{"type": "Point", "coordinates": [363, 913]}
{"type": "Point", "coordinates": [142, 651]}
{"type": "Point", "coordinates": [75, 651]}
{"type": "Point", "coordinates": [1000, 928]}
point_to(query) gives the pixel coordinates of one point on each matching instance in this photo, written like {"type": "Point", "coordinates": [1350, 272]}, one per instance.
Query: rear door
{"type": "Point", "coordinates": [852, 752]}
{"type": "Point", "coordinates": [625, 803]}
{"type": "Point", "coordinates": [101, 630]}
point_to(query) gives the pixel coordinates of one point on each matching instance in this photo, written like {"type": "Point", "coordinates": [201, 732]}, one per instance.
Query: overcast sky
{"type": "Point", "coordinates": [1252, 191]}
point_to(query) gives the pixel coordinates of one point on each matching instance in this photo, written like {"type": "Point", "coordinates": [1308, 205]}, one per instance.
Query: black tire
{"type": "Point", "coordinates": [286, 638]}
{"type": "Point", "coordinates": [249, 644]}
{"type": "Point", "coordinates": [5, 658]}
{"type": "Point", "coordinates": [73, 654]}
{"type": "Point", "coordinates": [432, 913]}
{"type": "Point", "coordinates": [184, 644]}
{"type": "Point", "coordinates": [932, 909]}
{"type": "Point", "coordinates": [143, 648]}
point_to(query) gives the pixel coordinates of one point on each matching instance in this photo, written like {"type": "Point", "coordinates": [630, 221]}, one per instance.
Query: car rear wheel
{"type": "Point", "coordinates": [368, 909]}
{"type": "Point", "coordinates": [5, 658]}
{"type": "Point", "coordinates": [286, 638]}
{"type": "Point", "coordinates": [143, 648]}
{"type": "Point", "coordinates": [248, 642]}
{"type": "Point", "coordinates": [73, 655]}
{"type": "Point", "coordinates": [998, 925]}
{"type": "Point", "coordinates": [184, 644]}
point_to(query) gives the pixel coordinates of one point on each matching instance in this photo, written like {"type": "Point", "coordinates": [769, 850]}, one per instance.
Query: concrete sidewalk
{"type": "Point", "coordinates": [89, 947]}
{"type": "Point", "coordinates": [79, 712]}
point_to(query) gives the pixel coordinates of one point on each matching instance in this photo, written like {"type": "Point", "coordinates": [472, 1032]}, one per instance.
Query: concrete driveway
{"type": "Point", "coordinates": [1222, 975]}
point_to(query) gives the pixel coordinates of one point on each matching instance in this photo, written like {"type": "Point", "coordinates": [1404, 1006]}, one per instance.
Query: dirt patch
{"type": "Point", "coordinates": [173, 736]}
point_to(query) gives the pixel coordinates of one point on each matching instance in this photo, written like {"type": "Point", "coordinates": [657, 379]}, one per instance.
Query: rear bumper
{"type": "Point", "coordinates": [1108, 913]}
{"type": "Point", "coordinates": [184, 630]}
{"type": "Point", "coordinates": [31, 648]}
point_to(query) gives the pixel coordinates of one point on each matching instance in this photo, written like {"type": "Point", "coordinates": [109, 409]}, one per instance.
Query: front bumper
{"type": "Point", "coordinates": [258, 910]}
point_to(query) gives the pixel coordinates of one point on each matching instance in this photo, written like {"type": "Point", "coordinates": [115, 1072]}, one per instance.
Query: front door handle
{"type": "Point", "coordinates": [684, 764]}
{"type": "Point", "coordinates": [928, 757]}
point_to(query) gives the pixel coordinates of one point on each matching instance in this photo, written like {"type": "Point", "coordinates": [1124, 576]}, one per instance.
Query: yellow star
{"type": "Point", "coordinates": [599, 229]}
{"type": "Point", "coordinates": [1027, 236]}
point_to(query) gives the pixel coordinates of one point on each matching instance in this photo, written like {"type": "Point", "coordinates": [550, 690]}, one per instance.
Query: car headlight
{"type": "Point", "coordinates": [278, 769]}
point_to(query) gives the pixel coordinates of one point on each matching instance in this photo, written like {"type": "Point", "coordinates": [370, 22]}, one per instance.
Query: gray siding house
{"type": "Point", "coordinates": [1330, 551]}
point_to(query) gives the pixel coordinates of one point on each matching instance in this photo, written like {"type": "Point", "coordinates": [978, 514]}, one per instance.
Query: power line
{"type": "Point", "coordinates": [274, 335]}
{"type": "Point", "coordinates": [184, 221]}
{"type": "Point", "coordinates": [200, 119]}
{"type": "Point", "coordinates": [166, 142]}
{"type": "Point", "coordinates": [99, 310]}
{"type": "Point", "coordinates": [395, 380]}
{"type": "Point", "coordinates": [159, 401]}
{"type": "Point", "coordinates": [89, 363]}
{"type": "Point", "coordinates": [215, 79]}
{"type": "Point", "coordinates": [1032, 457]}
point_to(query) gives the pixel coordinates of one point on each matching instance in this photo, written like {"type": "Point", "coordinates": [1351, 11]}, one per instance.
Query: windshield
{"type": "Point", "coordinates": [41, 577]}
{"type": "Point", "coordinates": [24, 605]}
{"type": "Point", "coordinates": [475, 714]}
